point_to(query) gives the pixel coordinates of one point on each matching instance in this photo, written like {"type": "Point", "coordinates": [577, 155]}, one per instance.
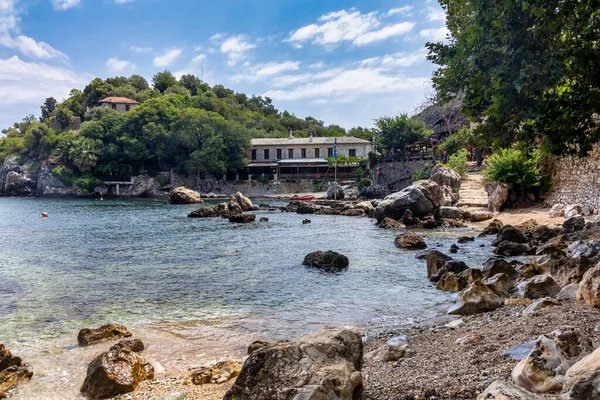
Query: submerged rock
{"type": "Point", "coordinates": [410, 241]}
{"type": "Point", "coordinates": [242, 218]}
{"type": "Point", "coordinates": [109, 331]}
{"type": "Point", "coordinates": [181, 195]}
{"type": "Point", "coordinates": [325, 365]}
{"type": "Point", "coordinates": [13, 372]}
{"type": "Point", "coordinates": [326, 260]}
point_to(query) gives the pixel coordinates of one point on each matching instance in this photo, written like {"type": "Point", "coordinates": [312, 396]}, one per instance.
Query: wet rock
{"type": "Point", "coordinates": [134, 344]}
{"type": "Point", "coordinates": [543, 233]}
{"type": "Point", "coordinates": [448, 212]}
{"type": "Point", "coordinates": [389, 223]}
{"type": "Point", "coordinates": [221, 210]}
{"type": "Point", "coordinates": [410, 241]}
{"type": "Point", "coordinates": [435, 261]}
{"type": "Point", "coordinates": [493, 227]}
{"type": "Point", "coordinates": [465, 239]}
{"type": "Point", "coordinates": [263, 219]}
{"type": "Point", "coordinates": [355, 212]}
{"type": "Point", "coordinates": [119, 370]}
{"type": "Point", "coordinates": [242, 218]}
{"type": "Point", "coordinates": [325, 365]}
{"type": "Point", "coordinates": [500, 390]}
{"type": "Point", "coordinates": [13, 372]}
{"type": "Point", "coordinates": [499, 284]}
{"type": "Point", "coordinates": [244, 202]}
{"type": "Point", "coordinates": [216, 374]}
{"type": "Point", "coordinates": [409, 219]}
{"type": "Point", "coordinates": [544, 367]}
{"type": "Point", "coordinates": [557, 210]}
{"type": "Point", "coordinates": [497, 195]}
{"type": "Point", "coordinates": [454, 248]}
{"type": "Point", "coordinates": [589, 288]}
{"type": "Point", "coordinates": [497, 266]}
{"type": "Point", "coordinates": [582, 380]}
{"type": "Point", "coordinates": [540, 304]}
{"type": "Point", "coordinates": [475, 299]}
{"type": "Point", "coordinates": [519, 351]}
{"type": "Point", "coordinates": [538, 287]}
{"type": "Point", "coordinates": [326, 260]}
{"type": "Point", "coordinates": [181, 195]}
{"type": "Point", "coordinates": [390, 353]}
{"type": "Point", "coordinates": [507, 248]}
{"type": "Point", "coordinates": [431, 224]}
{"type": "Point", "coordinates": [450, 282]}
{"type": "Point", "coordinates": [449, 266]}
{"type": "Point", "coordinates": [306, 221]}
{"type": "Point", "coordinates": [511, 234]}
{"type": "Point", "coordinates": [307, 208]}
{"type": "Point", "coordinates": [257, 345]}
{"type": "Point", "coordinates": [444, 176]}
{"type": "Point", "coordinates": [110, 331]}
{"type": "Point", "coordinates": [471, 275]}
{"type": "Point", "coordinates": [573, 224]}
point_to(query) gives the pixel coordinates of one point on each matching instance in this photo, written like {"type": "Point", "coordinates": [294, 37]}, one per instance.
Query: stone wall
{"type": "Point", "coordinates": [576, 180]}
{"type": "Point", "coordinates": [397, 175]}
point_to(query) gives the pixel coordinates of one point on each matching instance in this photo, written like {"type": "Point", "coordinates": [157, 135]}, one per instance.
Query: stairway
{"type": "Point", "coordinates": [472, 193]}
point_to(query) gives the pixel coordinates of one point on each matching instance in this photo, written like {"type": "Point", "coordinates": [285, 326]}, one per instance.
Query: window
{"type": "Point", "coordinates": [267, 154]}
{"type": "Point", "coordinates": [330, 152]}
{"type": "Point", "coordinates": [279, 157]}
{"type": "Point", "coordinates": [127, 107]}
{"type": "Point", "coordinates": [317, 153]}
{"type": "Point", "coordinates": [352, 152]}
{"type": "Point", "coordinates": [290, 153]}
{"type": "Point", "coordinates": [303, 152]}
{"type": "Point", "coordinates": [254, 154]}
{"type": "Point", "coordinates": [114, 106]}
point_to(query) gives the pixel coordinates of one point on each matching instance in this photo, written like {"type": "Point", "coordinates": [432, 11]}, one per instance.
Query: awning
{"type": "Point", "coordinates": [303, 161]}
{"type": "Point", "coordinates": [262, 165]}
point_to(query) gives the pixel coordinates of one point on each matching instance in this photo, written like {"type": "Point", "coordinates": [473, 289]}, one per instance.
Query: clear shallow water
{"type": "Point", "coordinates": [143, 263]}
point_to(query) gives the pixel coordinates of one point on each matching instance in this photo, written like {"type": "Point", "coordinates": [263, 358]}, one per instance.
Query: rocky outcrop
{"type": "Point", "coordinates": [242, 218]}
{"type": "Point", "coordinates": [221, 210]}
{"type": "Point", "coordinates": [410, 241]}
{"type": "Point", "coordinates": [444, 176]}
{"type": "Point", "coordinates": [244, 202]}
{"type": "Point", "coordinates": [119, 370]}
{"type": "Point", "coordinates": [16, 179]}
{"type": "Point", "coordinates": [375, 192]}
{"type": "Point", "coordinates": [497, 195]}
{"type": "Point", "coordinates": [500, 390]}
{"type": "Point", "coordinates": [325, 365]}
{"type": "Point", "coordinates": [435, 262]}
{"type": "Point", "coordinates": [219, 373]}
{"type": "Point", "coordinates": [13, 372]}
{"type": "Point", "coordinates": [544, 367]}
{"type": "Point", "coordinates": [421, 198]}
{"type": "Point", "coordinates": [389, 223]}
{"type": "Point", "coordinates": [589, 288]}
{"type": "Point", "coordinates": [328, 260]}
{"type": "Point", "coordinates": [48, 185]}
{"type": "Point", "coordinates": [181, 195]}
{"type": "Point", "coordinates": [334, 192]}
{"type": "Point", "coordinates": [88, 336]}
{"type": "Point", "coordinates": [475, 299]}
{"type": "Point", "coordinates": [539, 286]}
{"type": "Point", "coordinates": [497, 266]}
{"type": "Point", "coordinates": [582, 380]}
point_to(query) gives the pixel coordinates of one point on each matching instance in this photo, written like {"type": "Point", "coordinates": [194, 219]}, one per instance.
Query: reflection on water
{"type": "Point", "coordinates": [195, 289]}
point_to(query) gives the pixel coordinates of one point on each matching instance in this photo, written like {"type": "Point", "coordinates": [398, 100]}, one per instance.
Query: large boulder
{"type": "Point", "coordinates": [451, 282]}
{"type": "Point", "coordinates": [117, 371]}
{"type": "Point", "coordinates": [589, 288]}
{"type": "Point", "coordinates": [453, 266]}
{"type": "Point", "coordinates": [13, 372]}
{"type": "Point", "coordinates": [351, 194]}
{"type": "Point", "coordinates": [573, 224]}
{"type": "Point", "coordinates": [539, 286]}
{"type": "Point", "coordinates": [329, 260]}
{"type": "Point", "coordinates": [544, 367]}
{"type": "Point", "coordinates": [421, 198]}
{"type": "Point", "coordinates": [375, 192]}
{"type": "Point", "coordinates": [244, 202]}
{"type": "Point", "coordinates": [325, 365]}
{"type": "Point", "coordinates": [410, 241]}
{"type": "Point", "coordinates": [499, 284]}
{"type": "Point", "coordinates": [444, 176]}
{"type": "Point", "coordinates": [475, 299]}
{"type": "Point", "coordinates": [181, 195]}
{"type": "Point", "coordinates": [582, 380]}
{"type": "Point", "coordinates": [511, 234]}
{"type": "Point", "coordinates": [557, 210]}
{"type": "Point", "coordinates": [544, 233]}
{"type": "Point", "coordinates": [497, 195]}
{"type": "Point", "coordinates": [389, 223]}
{"type": "Point", "coordinates": [508, 248]}
{"type": "Point", "coordinates": [435, 262]}
{"type": "Point", "coordinates": [88, 336]}
{"type": "Point", "coordinates": [500, 390]}
{"type": "Point", "coordinates": [493, 227]}
{"type": "Point", "coordinates": [335, 192]}
{"type": "Point", "coordinates": [495, 266]}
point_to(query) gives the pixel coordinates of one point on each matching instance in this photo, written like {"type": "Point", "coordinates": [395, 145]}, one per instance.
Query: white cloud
{"type": "Point", "coordinates": [141, 50]}
{"type": "Point", "coordinates": [115, 65]}
{"type": "Point", "coordinates": [235, 47]}
{"type": "Point", "coordinates": [347, 26]}
{"type": "Point", "coordinates": [64, 4]}
{"type": "Point", "coordinates": [199, 58]}
{"type": "Point", "coordinates": [436, 34]}
{"type": "Point", "coordinates": [400, 10]}
{"type": "Point", "coordinates": [317, 65]}
{"type": "Point", "coordinates": [262, 71]}
{"type": "Point", "coordinates": [216, 37]}
{"type": "Point", "coordinates": [397, 60]}
{"type": "Point", "coordinates": [436, 14]}
{"type": "Point", "coordinates": [167, 58]}
{"type": "Point", "coordinates": [123, 1]}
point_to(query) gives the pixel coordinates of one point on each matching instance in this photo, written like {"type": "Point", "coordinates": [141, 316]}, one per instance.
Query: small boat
{"type": "Point", "coordinates": [44, 214]}
{"type": "Point", "coordinates": [305, 197]}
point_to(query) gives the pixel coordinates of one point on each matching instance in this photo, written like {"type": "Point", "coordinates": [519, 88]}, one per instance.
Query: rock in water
{"type": "Point", "coordinates": [511, 234]}
{"type": "Point", "coordinates": [499, 390]}
{"type": "Point", "coordinates": [435, 262]}
{"type": "Point", "coordinates": [410, 241]}
{"type": "Point", "coordinates": [450, 282]}
{"type": "Point", "coordinates": [326, 260]}
{"type": "Point", "coordinates": [216, 374]}
{"type": "Point", "coordinates": [476, 298]}
{"type": "Point", "coordinates": [244, 202]}
{"type": "Point", "coordinates": [119, 370]}
{"type": "Point", "coordinates": [242, 218]}
{"type": "Point", "coordinates": [181, 195]}
{"type": "Point", "coordinates": [583, 379]}
{"type": "Point", "coordinates": [493, 227]}
{"type": "Point", "coordinates": [110, 331]}
{"type": "Point", "coordinates": [13, 372]}
{"type": "Point", "coordinates": [389, 223]}
{"type": "Point", "coordinates": [495, 266]}
{"type": "Point", "coordinates": [325, 365]}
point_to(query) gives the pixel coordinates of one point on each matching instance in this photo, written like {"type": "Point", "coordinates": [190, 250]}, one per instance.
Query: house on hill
{"type": "Point", "coordinates": [303, 158]}
{"type": "Point", "coordinates": [120, 104]}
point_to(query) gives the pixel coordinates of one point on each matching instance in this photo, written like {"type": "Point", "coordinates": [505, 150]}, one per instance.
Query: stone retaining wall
{"type": "Point", "coordinates": [576, 180]}
{"type": "Point", "coordinates": [397, 175]}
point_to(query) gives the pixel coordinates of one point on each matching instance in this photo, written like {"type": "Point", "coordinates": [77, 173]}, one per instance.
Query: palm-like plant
{"type": "Point", "coordinates": [84, 152]}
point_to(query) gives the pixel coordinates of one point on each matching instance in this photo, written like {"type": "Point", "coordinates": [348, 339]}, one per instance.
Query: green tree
{"type": "Point", "coordinates": [191, 83]}
{"type": "Point", "coordinates": [393, 133]}
{"type": "Point", "coordinates": [163, 80]}
{"type": "Point", "coordinates": [48, 107]}
{"type": "Point", "coordinates": [84, 152]}
{"type": "Point", "coordinates": [63, 116]}
{"type": "Point", "coordinates": [138, 82]}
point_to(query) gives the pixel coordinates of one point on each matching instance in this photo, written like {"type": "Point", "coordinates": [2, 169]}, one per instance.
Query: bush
{"type": "Point", "coordinates": [87, 183]}
{"type": "Point", "coordinates": [514, 167]}
{"type": "Point", "coordinates": [421, 174]}
{"type": "Point", "coordinates": [263, 179]}
{"type": "Point", "coordinates": [458, 161]}
{"type": "Point", "coordinates": [63, 174]}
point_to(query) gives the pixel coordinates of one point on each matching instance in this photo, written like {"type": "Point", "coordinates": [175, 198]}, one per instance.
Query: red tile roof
{"type": "Point", "coordinates": [121, 100]}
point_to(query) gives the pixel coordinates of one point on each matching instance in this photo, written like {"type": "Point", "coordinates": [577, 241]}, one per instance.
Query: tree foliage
{"type": "Point", "coordinates": [527, 70]}
{"type": "Point", "coordinates": [515, 167]}
{"type": "Point", "coordinates": [393, 133]}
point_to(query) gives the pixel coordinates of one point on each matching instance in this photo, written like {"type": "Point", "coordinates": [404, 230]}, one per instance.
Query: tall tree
{"type": "Point", "coordinates": [393, 133]}
{"type": "Point", "coordinates": [48, 107]}
{"type": "Point", "coordinates": [163, 80]}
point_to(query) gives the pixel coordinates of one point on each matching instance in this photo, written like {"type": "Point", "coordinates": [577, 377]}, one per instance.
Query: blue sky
{"type": "Point", "coordinates": [344, 62]}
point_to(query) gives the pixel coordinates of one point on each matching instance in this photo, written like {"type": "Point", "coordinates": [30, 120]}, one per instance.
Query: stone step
{"type": "Point", "coordinates": [474, 204]}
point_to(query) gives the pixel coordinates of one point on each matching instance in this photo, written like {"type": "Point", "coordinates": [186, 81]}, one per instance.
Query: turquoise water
{"type": "Point", "coordinates": [140, 261]}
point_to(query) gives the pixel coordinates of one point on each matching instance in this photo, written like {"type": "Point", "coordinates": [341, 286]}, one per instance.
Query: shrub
{"type": "Point", "coordinates": [63, 174]}
{"type": "Point", "coordinates": [458, 161]}
{"type": "Point", "coordinates": [421, 174]}
{"type": "Point", "coordinates": [263, 179]}
{"type": "Point", "coordinates": [87, 183]}
{"type": "Point", "coordinates": [514, 167]}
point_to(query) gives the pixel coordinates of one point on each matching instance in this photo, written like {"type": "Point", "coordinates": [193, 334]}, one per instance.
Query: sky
{"type": "Point", "coordinates": [343, 62]}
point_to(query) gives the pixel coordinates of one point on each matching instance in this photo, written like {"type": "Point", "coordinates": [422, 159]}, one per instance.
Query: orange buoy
{"type": "Point", "coordinates": [44, 214]}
